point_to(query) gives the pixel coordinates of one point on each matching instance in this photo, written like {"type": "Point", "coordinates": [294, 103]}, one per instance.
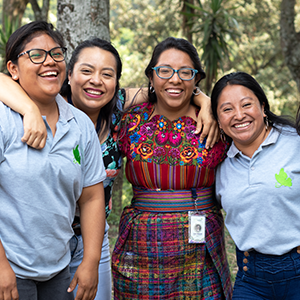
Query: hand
{"type": "Point", "coordinates": [8, 283]}
{"type": "Point", "coordinates": [35, 132]}
{"type": "Point", "coordinates": [209, 127]}
{"type": "Point", "coordinates": [87, 280]}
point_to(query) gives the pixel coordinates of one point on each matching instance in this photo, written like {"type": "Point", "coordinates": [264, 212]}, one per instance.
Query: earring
{"type": "Point", "coordinates": [14, 77]}
{"type": "Point", "coordinates": [266, 121]}
{"type": "Point", "coordinates": [197, 91]}
{"type": "Point", "coordinates": [222, 136]}
{"type": "Point", "coordinates": [69, 82]}
{"type": "Point", "coordinates": [152, 90]}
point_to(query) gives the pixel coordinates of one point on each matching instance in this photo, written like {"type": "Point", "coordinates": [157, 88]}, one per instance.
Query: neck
{"type": "Point", "coordinates": [250, 149]}
{"type": "Point", "coordinates": [174, 114]}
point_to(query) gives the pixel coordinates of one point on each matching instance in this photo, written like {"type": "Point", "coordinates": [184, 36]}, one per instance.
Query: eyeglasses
{"type": "Point", "coordinates": [38, 56]}
{"type": "Point", "coordinates": [164, 72]}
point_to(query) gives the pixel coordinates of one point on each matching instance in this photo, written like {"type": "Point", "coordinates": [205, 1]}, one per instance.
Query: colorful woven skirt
{"type": "Point", "coordinates": [152, 258]}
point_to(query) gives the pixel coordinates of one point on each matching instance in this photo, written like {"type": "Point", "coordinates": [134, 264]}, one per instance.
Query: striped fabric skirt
{"type": "Point", "coordinates": [152, 258]}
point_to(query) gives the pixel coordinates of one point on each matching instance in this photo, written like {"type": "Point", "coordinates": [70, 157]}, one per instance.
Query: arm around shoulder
{"type": "Point", "coordinates": [13, 95]}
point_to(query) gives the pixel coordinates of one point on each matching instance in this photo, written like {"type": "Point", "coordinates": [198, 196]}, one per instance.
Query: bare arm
{"type": "Point", "coordinates": [206, 121]}
{"type": "Point", "coordinates": [135, 96]}
{"type": "Point", "coordinates": [8, 282]}
{"type": "Point", "coordinates": [35, 132]}
{"type": "Point", "coordinates": [92, 222]}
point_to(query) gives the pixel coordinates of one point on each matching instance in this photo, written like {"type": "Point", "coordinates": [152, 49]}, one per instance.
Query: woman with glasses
{"type": "Point", "coordinates": [92, 85]}
{"type": "Point", "coordinates": [39, 189]}
{"type": "Point", "coordinates": [171, 237]}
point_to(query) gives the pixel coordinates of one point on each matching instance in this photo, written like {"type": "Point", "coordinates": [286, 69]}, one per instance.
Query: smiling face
{"type": "Point", "coordinates": [173, 95]}
{"type": "Point", "coordinates": [93, 80]}
{"type": "Point", "coordinates": [42, 82]}
{"type": "Point", "coordinates": [241, 116]}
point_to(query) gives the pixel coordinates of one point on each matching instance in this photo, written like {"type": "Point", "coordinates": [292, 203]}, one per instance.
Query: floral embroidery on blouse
{"type": "Point", "coordinates": [162, 141]}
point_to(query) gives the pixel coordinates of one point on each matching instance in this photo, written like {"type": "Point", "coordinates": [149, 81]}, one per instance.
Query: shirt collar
{"type": "Point", "coordinates": [271, 139]}
{"type": "Point", "coordinates": [64, 108]}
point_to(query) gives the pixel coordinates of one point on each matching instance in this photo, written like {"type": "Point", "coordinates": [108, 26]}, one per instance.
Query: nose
{"type": "Point", "coordinates": [239, 113]}
{"type": "Point", "coordinates": [96, 79]}
{"type": "Point", "coordinates": [175, 78]}
{"type": "Point", "coordinates": [49, 59]}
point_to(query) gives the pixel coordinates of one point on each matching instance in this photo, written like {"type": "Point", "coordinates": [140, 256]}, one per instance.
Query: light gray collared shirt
{"type": "Point", "coordinates": [261, 195]}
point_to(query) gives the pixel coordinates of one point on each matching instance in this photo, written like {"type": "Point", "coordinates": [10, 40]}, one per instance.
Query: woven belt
{"type": "Point", "coordinates": [172, 200]}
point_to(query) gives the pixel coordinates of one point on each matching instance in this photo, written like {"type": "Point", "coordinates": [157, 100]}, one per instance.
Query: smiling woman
{"type": "Point", "coordinates": [40, 188]}
{"type": "Point", "coordinates": [258, 185]}
{"type": "Point", "coordinates": [156, 255]}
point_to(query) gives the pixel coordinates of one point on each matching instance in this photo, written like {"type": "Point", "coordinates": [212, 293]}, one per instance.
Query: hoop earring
{"type": "Point", "coordinates": [152, 90]}
{"type": "Point", "coordinates": [197, 91]}
{"type": "Point", "coordinates": [266, 122]}
{"type": "Point", "coordinates": [222, 136]}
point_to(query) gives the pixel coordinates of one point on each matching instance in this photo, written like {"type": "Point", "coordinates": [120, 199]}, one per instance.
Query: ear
{"type": "Point", "coordinates": [69, 75]}
{"type": "Point", "coordinates": [263, 109]}
{"type": "Point", "coordinates": [13, 70]}
{"type": "Point", "coordinates": [219, 125]}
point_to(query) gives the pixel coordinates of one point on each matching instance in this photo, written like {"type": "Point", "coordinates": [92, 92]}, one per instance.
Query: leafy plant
{"type": "Point", "coordinates": [5, 32]}
{"type": "Point", "coordinates": [217, 27]}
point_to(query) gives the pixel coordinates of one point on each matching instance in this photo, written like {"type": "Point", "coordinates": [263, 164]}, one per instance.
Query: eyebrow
{"type": "Point", "coordinates": [91, 66]}
{"type": "Point", "coordinates": [167, 65]}
{"type": "Point", "coordinates": [246, 97]}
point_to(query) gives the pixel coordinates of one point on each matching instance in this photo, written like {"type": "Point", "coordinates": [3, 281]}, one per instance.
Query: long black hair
{"type": "Point", "coordinates": [104, 121]}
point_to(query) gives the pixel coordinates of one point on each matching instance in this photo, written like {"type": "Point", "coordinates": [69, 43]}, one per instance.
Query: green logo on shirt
{"type": "Point", "coordinates": [76, 154]}
{"type": "Point", "coordinates": [282, 179]}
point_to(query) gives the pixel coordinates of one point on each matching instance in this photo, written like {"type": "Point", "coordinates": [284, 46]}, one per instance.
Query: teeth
{"type": "Point", "coordinates": [174, 91]}
{"type": "Point", "coordinates": [94, 92]}
{"type": "Point", "coordinates": [52, 73]}
{"type": "Point", "coordinates": [241, 125]}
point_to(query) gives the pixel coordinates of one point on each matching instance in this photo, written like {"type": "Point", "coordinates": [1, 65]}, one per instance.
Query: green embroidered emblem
{"type": "Point", "coordinates": [77, 157]}
{"type": "Point", "coordinates": [282, 179]}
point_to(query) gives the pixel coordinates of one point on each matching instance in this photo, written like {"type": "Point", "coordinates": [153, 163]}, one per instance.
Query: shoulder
{"type": "Point", "coordinates": [140, 109]}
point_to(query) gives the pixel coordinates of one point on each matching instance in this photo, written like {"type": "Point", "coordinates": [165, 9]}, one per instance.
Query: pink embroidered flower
{"type": "Point", "coordinates": [159, 151]}
{"type": "Point", "coordinates": [194, 142]}
{"type": "Point", "coordinates": [174, 153]}
{"type": "Point", "coordinates": [189, 131]}
{"type": "Point", "coordinates": [161, 138]}
{"type": "Point", "coordinates": [143, 138]}
{"type": "Point", "coordinates": [148, 129]}
{"type": "Point", "coordinates": [175, 139]}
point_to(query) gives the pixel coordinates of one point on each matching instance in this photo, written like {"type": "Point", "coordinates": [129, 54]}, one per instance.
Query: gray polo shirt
{"type": "Point", "coordinates": [261, 195]}
{"type": "Point", "coordinates": [39, 189]}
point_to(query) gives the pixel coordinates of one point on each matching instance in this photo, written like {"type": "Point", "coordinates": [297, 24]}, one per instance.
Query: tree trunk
{"type": "Point", "coordinates": [78, 20]}
{"type": "Point", "coordinates": [40, 13]}
{"type": "Point", "coordinates": [290, 39]}
{"type": "Point", "coordinates": [14, 9]}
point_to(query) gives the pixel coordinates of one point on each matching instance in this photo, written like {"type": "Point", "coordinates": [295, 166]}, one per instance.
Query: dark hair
{"type": "Point", "coordinates": [246, 80]}
{"type": "Point", "coordinates": [104, 121]}
{"type": "Point", "coordinates": [173, 43]}
{"type": "Point", "coordinates": [298, 121]}
{"type": "Point", "coordinates": [23, 35]}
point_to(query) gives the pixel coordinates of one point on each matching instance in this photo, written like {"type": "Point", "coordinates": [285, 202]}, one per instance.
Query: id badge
{"type": "Point", "coordinates": [196, 227]}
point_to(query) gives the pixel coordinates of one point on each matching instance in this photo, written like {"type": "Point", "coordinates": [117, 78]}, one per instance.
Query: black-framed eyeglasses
{"type": "Point", "coordinates": [38, 56]}
{"type": "Point", "coordinates": [165, 72]}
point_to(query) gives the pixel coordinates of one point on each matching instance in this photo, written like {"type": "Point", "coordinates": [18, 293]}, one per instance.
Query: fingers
{"type": "Point", "coordinates": [85, 294]}
{"type": "Point", "coordinates": [36, 141]}
{"type": "Point", "coordinates": [213, 135]}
